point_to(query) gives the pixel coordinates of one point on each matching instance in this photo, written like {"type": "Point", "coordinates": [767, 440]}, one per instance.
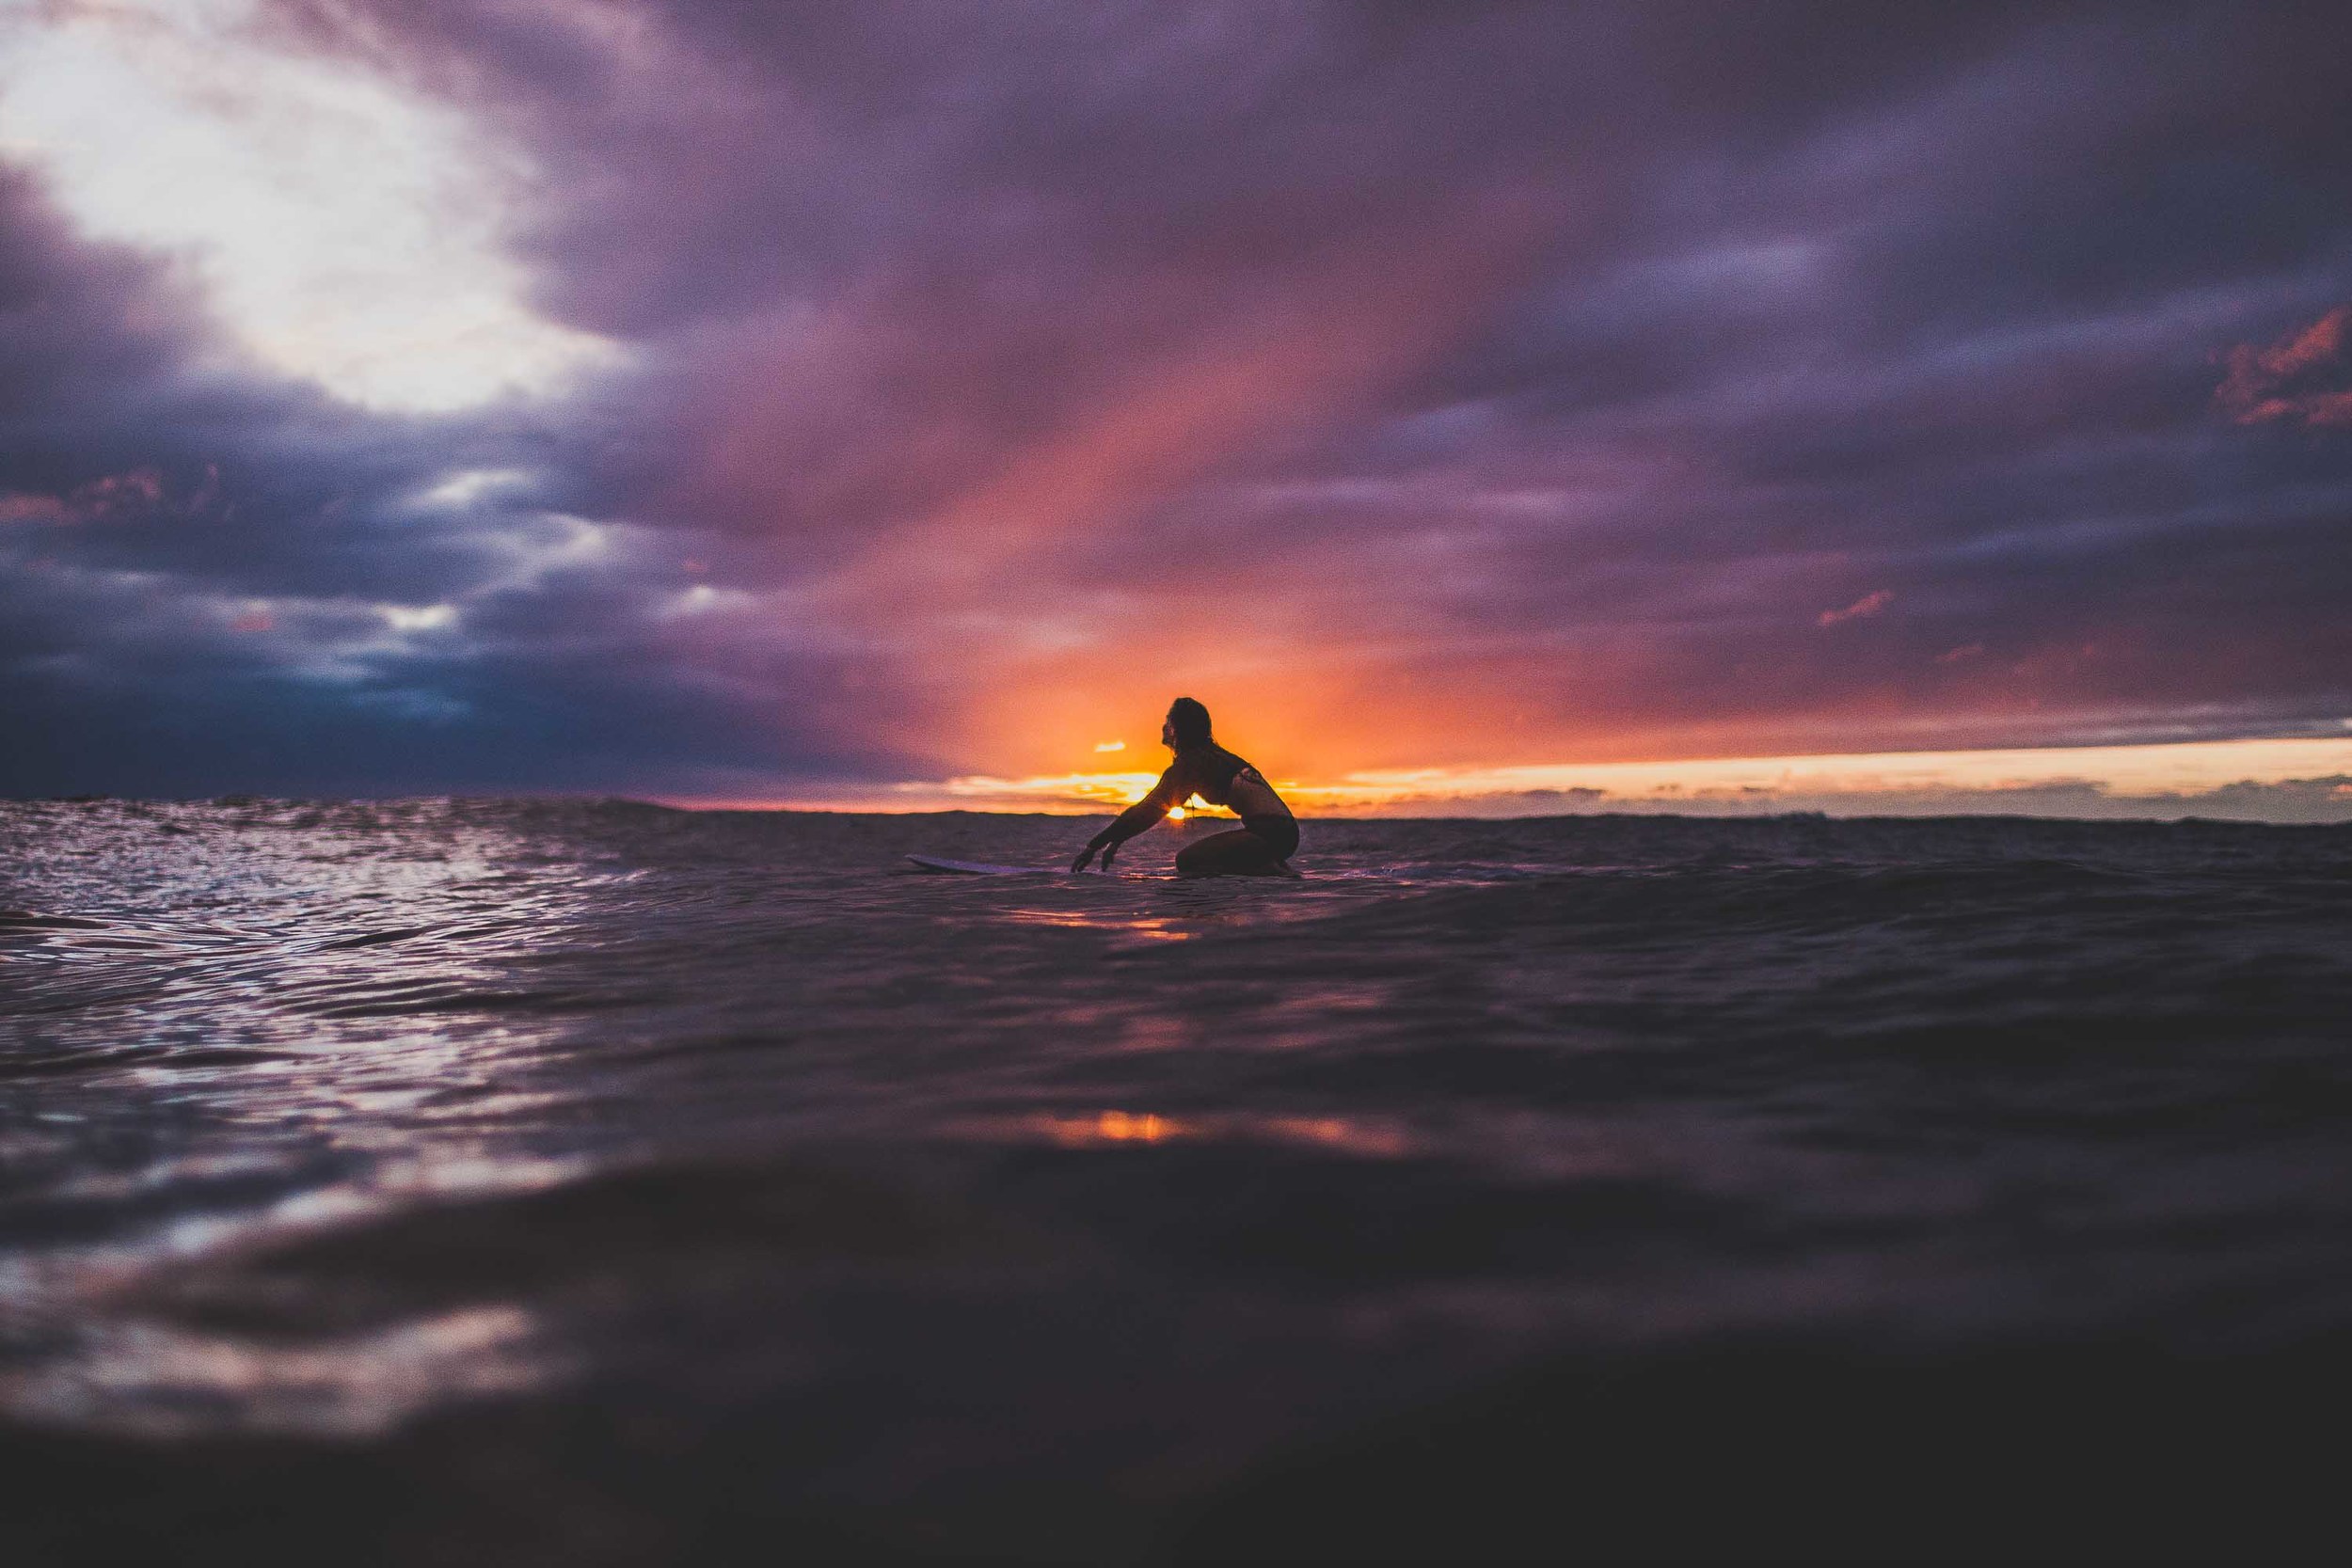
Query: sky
{"type": "Point", "coordinates": [1718, 405]}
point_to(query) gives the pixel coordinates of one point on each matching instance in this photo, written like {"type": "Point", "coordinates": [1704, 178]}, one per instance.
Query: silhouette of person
{"type": "Point", "coordinates": [1267, 837]}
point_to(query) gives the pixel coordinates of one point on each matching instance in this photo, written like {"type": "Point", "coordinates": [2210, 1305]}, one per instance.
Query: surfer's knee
{"type": "Point", "coordinates": [1205, 858]}
{"type": "Point", "coordinates": [1233, 854]}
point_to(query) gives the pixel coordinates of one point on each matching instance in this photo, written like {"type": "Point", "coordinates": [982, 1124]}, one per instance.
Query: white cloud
{"type": "Point", "coordinates": [344, 231]}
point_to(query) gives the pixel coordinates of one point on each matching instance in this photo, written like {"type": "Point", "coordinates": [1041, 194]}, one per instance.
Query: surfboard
{"type": "Point", "coordinates": [977, 868]}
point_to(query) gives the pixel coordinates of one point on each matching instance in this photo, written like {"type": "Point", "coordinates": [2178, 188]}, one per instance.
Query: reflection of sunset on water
{"type": "Point", "coordinates": [1152, 928]}
{"type": "Point", "coordinates": [1368, 1140]}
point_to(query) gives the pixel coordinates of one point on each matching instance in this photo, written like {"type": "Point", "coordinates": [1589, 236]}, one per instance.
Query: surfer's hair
{"type": "Point", "coordinates": [1190, 721]}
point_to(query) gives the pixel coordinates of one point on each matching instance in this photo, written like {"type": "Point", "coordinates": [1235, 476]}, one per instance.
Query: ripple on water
{"type": "Point", "coordinates": [334, 1118]}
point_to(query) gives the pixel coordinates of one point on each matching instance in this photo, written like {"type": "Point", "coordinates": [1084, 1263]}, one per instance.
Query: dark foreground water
{"type": "Point", "coordinates": [453, 1183]}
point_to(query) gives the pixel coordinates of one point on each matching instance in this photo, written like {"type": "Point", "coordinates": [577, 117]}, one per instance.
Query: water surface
{"type": "Point", "coordinates": [675, 1171]}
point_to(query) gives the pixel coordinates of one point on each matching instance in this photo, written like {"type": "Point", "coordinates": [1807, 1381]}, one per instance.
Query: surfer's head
{"type": "Point", "coordinates": [1188, 725]}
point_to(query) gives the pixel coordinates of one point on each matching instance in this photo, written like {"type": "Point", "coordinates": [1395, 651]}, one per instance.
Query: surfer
{"type": "Point", "coordinates": [1268, 835]}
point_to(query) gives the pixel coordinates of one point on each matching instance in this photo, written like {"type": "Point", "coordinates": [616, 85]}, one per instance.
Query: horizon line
{"type": "Point", "coordinates": [2280, 778]}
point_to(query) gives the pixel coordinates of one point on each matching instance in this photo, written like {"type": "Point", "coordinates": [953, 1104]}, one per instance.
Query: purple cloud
{"type": "Point", "coordinates": [1477, 385]}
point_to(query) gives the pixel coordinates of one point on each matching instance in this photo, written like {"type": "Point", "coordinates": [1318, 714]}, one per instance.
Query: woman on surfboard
{"type": "Point", "coordinates": [1268, 833]}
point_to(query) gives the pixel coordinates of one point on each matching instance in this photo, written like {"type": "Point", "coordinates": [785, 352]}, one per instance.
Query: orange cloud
{"type": "Point", "coordinates": [1023, 548]}
{"type": "Point", "coordinates": [105, 496]}
{"type": "Point", "coordinates": [2276, 382]}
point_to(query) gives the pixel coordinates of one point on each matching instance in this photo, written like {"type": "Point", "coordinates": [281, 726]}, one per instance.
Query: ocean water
{"type": "Point", "coordinates": [515, 1181]}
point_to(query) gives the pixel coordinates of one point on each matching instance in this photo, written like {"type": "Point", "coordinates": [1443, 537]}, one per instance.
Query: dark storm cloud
{"type": "Point", "coordinates": [1574, 375]}
{"type": "Point", "coordinates": [209, 582]}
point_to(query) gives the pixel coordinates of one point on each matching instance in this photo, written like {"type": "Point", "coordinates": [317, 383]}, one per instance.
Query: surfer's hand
{"type": "Point", "coordinates": [1084, 855]}
{"type": "Point", "coordinates": [1108, 851]}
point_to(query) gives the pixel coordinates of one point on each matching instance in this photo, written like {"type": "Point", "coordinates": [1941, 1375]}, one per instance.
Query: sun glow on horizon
{"type": "Point", "coordinates": [2144, 780]}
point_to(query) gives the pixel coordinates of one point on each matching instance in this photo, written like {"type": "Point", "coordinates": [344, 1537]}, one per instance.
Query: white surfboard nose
{"type": "Point", "coordinates": [978, 868]}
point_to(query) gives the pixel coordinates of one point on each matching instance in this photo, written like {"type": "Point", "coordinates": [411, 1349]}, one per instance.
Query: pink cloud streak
{"type": "Point", "coordinates": [2273, 383]}
{"type": "Point", "coordinates": [1861, 609]}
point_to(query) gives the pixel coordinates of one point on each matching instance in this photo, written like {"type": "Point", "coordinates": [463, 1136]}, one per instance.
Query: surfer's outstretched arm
{"type": "Point", "coordinates": [1136, 818]}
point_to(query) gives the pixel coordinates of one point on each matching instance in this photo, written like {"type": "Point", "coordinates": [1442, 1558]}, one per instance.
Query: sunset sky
{"type": "Point", "coordinates": [1495, 409]}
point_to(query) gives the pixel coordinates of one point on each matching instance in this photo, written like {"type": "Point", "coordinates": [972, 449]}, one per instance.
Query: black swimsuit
{"type": "Point", "coordinates": [1279, 830]}
{"type": "Point", "coordinates": [1207, 771]}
